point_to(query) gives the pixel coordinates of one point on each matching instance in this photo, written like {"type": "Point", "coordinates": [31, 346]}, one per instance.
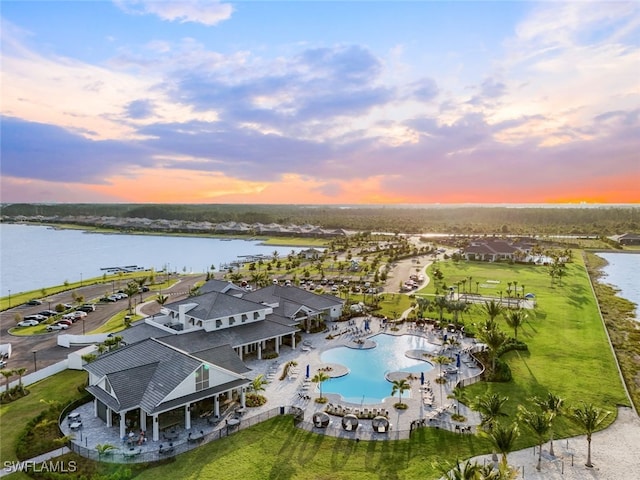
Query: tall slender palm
{"type": "Point", "coordinates": [503, 438]}
{"type": "Point", "coordinates": [440, 303]}
{"type": "Point", "coordinates": [589, 418]}
{"type": "Point", "coordinates": [400, 386]}
{"type": "Point", "coordinates": [162, 299]}
{"type": "Point", "coordinates": [490, 408]}
{"type": "Point", "coordinates": [7, 374]}
{"type": "Point", "coordinates": [441, 360]}
{"type": "Point", "coordinates": [320, 378]}
{"type": "Point", "coordinates": [515, 319]}
{"type": "Point", "coordinates": [459, 395]}
{"type": "Point", "coordinates": [554, 405]}
{"type": "Point", "coordinates": [494, 339]}
{"type": "Point", "coordinates": [539, 423]}
{"type": "Point", "coordinates": [20, 372]}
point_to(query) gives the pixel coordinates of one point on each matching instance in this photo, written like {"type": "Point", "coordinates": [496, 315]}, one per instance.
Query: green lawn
{"type": "Point", "coordinates": [13, 416]}
{"type": "Point", "coordinates": [569, 354]}
{"type": "Point", "coordinates": [277, 450]}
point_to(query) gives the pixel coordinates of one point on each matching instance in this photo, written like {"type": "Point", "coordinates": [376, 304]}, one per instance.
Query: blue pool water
{"type": "Point", "coordinates": [366, 382]}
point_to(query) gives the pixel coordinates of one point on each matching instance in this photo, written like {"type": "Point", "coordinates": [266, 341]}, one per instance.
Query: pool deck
{"type": "Point", "coordinates": [294, 390]}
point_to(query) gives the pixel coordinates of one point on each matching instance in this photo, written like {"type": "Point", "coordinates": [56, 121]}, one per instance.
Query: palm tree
{"type": "Point", "coordinates": [400, 386]}
{"type": "Point", "coordinates": [503, 439]}
{"type": "Point", "coordinates": [20, 372]}
{"type": "Point", "coordinates": [552, 404]}
{"type": "Point", "coordinates": [539, 423]}
{"type": "Point", "coordinates": [162, 299]}
{"type": "Point", "coordinates": [515, 319]}
{"type": "Point", "coordinates": [490, 408]}
{"type": "Point", "coordinates": [494, 339]}
{"type": "Point", "coordinates": [104, 448]}
{"type": "Point", "coordinates": [7, 374]}
{"type": "Point", "coordinates": [589, 418]}
{"type": "Point", "coordinates": [258, 383]}
{"type": "Point", "coordinates": [461, 471]}
{"type": "Point", "coordinates": [441, 304]}
{"type": "Point", "coordinates": [441, 360]}
{"type": "Point", "coordinates": [459, 395]}
{"type": "Point", "coordinates": [131, 289]}
{"type": "Point", "coordinates": [320, 378]}
{"type": "Point", "coordinates": [493, 309]}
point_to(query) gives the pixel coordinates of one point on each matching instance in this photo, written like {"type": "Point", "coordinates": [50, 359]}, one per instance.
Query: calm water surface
{"type": "Point", "coordinates": [366, 382]}
{"type": "Point", "coordinates": [623, 272]}
{"type": "Point", "coordinates": [32, 257]}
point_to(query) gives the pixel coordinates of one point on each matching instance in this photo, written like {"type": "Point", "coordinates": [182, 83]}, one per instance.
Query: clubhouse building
{"type": "Point", "coordinates": [189, 358]}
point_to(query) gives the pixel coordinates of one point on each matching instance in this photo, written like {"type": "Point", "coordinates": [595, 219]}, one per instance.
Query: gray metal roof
{"type": "Point", "coordinates": [201, 340]}
{"type": "Point", "coordinates": [220, 286]}
{"type": "Point", "coordinates": [214, 305]}
{"type": "Point", "coordinates": [141, 331]}
{"type": "Point", "coordinates": [274, 293]}
{"type": "Point", "coordinates": [224, 356]}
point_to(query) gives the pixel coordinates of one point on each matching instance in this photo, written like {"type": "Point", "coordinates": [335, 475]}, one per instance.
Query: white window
{"type": "Point", "coordinates": [202, 377]}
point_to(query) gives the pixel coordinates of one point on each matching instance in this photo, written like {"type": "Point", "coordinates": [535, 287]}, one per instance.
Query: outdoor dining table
{"type": "Point", "coordinates": [73, 416]}
{"type": "Point", "coordinates": [240, 410]}
{"type": "Point", "coordinates": [75, 425]}
{"type": "Point", "coordinates": [170, 435]}
{"type": "Point", "coordinates": [233, 422]}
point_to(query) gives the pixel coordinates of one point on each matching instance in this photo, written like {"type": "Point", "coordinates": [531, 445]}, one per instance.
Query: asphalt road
{"type": "Point", "coordinates": [47, 350]}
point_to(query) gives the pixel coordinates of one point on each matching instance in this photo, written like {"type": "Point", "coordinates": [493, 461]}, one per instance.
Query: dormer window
{"type": "Point", "coordinates": [232, 320]}
{"type": "Point", "coordinates": [256, 315]}
{"type": "Point", "coordinates": [218, 323]}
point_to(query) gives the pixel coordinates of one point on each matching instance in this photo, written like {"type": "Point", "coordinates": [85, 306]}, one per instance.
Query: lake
{"type": "Point", "coordinates": [32, 256]}
{"type": "Point", "coordinates": [622, 273]}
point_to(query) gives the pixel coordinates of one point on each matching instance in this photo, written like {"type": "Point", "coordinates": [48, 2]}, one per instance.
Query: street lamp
{"type": "Point", "coordinates": [35, 364]}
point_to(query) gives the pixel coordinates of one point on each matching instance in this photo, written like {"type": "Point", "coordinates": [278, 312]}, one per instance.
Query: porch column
{"type": "Point", "coordinates": [277, 345]}
{"type": "Point", "coordinates": [156, 428]}
{"type": "Point", "coordinates": [109, 418]}
{"type": "Point", "coordinates": [95, 407]}
{"type": "Point", "coordinates": [216, 406]}
{"type": "Point", "coordinates": [260, 351]}
{"type": "Point", "coordinates": [123, 426]}
{"type": "Point", "coordinates": [240, 352]}
{"type": "Point", "coordinates": [143, 420]}
{"type": "Point", "coordinates": [293, 341]}
{"type": "Point", "coordinates": [242, 397]}
{"type": "Point", "coordinates": [187, 416]}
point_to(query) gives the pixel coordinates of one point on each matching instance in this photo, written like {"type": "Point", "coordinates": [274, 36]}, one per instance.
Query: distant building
{"type": "Point", "coordinates": [627, 239]}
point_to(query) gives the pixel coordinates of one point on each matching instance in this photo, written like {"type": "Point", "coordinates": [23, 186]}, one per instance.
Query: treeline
{"type": "Point", "coordinates": [578, 220]}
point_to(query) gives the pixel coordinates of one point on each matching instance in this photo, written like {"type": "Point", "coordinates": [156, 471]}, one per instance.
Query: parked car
{"type": "Point", "coordinates": [3, 364]}
{"type": "Point", "coordinates": [78, 314]}
{"type": "Point", "coordinates": [36, 317]}
{"type": "Point", "coordinates": [28, 323]}
{"type": "Point", "coordinates": [144, 289]}
{"type": "Point", "coordinates": [64, 322]}
{"type": "Point", "coordinates": [48, 313]}
{"type": "Point", "coordinates": [68, 306]}
{"type": "Point", "coordinates": [57, 326]}
{"type": "Point", "coordinates": [88, 308]}
{"type": "Point", "coordinates": [34, 301]}
{"type": "Point", "coordinates": [69, 316]}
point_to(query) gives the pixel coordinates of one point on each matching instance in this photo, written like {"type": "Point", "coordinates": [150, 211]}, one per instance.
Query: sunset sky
{"type": "Point", "coordinates": [320, 102]}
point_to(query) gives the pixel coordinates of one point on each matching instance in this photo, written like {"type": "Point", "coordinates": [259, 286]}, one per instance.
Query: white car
{"type": "Point", "coordinates": [28, 323]}
{"type": "Point", "coordinates": [78, 314]}
{"type": "Point", "coordinates": [57, 326]}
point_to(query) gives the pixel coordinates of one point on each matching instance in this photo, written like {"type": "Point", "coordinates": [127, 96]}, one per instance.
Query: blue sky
{"type": "Point", "coordinates": [320, 102]}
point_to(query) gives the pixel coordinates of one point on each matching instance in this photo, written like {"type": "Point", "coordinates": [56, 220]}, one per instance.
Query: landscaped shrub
{"type": "Point", "coordinates": [270, 355]}
{"type": "Point", "coordinates": [513, 344]}
{"type": "Point", "coordinates": [255, 400]}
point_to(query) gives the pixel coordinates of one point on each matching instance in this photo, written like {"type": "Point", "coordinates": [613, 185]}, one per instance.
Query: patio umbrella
{"type": "Point", "coordinates": [421, 378]}
{"type": "Point", "coordinates": [457, 360]}
{"type": "Point", "coordinates": [307, 371]}
{"type": "Point", "coordinates": [529, 295]}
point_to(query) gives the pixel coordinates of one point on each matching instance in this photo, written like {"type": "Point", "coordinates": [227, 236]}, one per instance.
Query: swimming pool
{"type": "Point", "coordinates": [366, 382]}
